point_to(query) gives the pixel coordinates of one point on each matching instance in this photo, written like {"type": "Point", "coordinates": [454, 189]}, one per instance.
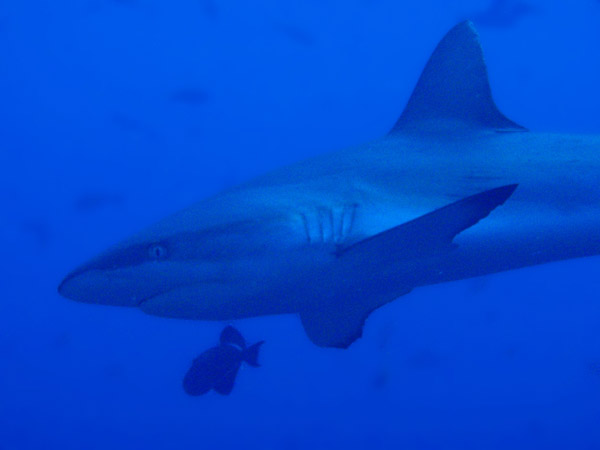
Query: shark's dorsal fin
{"type": "Point", "coordinates": [454, 87]}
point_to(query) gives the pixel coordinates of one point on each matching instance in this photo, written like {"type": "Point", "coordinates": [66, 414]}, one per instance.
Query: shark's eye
{"type": "Point", "coordinates": [157, 251]}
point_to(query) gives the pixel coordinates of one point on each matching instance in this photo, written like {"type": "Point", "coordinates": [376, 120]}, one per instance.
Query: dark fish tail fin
{"type": "Point", "coordinates": [250, 354]}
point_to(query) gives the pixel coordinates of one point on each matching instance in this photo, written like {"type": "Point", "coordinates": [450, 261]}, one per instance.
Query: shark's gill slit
{"type": "Point", "coordinates": [306, 227]}
{"type": "Point", "coordinates": [320, 222]}
{"type": "Point", "coordinates": [348, 217]}
{"type": "Point", "coordinates": [331, 224]}
{"type": "Point", "coordinates": [337, 217]}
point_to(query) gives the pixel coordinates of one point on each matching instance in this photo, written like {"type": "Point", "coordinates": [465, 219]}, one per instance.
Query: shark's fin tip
{"type": "Point", "coordinates": [454, 88]}
{"type": "Point", "coordinates": [336, 324]}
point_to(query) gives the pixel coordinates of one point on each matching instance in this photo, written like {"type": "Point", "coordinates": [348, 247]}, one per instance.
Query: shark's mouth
{"type": "Point", "coordinates": [104, 288]}
{"type": "Point", "coordinates": [205, 301]}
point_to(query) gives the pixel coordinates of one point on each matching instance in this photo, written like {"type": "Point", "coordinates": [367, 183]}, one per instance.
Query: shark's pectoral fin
{"type": "Point", "coordinates": [454, 88]}
{"type": "Point", "coordinates": [381, 268]}
{"type": "Point", "coordinates": [430, 233]}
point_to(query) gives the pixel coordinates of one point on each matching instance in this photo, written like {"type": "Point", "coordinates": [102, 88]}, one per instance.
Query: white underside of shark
{"type": "Point", "coordinates": [455, 190]}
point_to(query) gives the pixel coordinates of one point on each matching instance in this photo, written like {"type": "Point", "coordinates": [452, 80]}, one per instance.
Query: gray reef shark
{"type": "Point", "coordinates": [337, 236]}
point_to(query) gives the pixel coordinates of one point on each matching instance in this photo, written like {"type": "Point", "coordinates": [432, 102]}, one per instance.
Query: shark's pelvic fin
{"type": "Point", "coordinates": [387, 259]}
{"type": "Point", "coordinates": [336, 325]}
{"type": "Point", "coordinates": [454, 86]}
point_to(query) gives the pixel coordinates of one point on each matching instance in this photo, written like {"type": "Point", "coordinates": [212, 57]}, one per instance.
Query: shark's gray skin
{"type": "Point", "coordinates": [335, 237]}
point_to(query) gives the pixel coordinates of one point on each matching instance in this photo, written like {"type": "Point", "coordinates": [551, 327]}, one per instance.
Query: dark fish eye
{"type": "Point", "coordinates": [157, 251]}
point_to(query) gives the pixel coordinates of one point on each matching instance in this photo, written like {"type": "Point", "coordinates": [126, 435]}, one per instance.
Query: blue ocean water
{"type": "Point", "coordinates": [114, 113]}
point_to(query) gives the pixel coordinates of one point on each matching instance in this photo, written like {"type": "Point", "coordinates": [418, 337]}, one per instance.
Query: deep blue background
{"type": "Point", "coordinates": [114, 113]}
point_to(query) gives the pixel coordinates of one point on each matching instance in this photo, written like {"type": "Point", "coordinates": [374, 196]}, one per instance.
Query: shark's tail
{"type": "Point", "coordinates": [250, 354]}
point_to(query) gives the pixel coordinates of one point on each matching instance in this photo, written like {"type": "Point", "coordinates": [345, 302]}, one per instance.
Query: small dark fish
{"type": "Point", "coordinates": [61, 340]}
{"type": "Point", "coordinates": [126, 123]}
{"type": "Point", "coordinates": [424, 360]}
{"type": "Point", "coordinates": [594, 368]}
{"type": "Point", "coordinates": [194, 97]}
{"type": "Point", "coordinates": [93, 201]}
{"type": "Point", "coordinates": [217, 367]}
{"type": "Point", "coordinates": [381, 379]}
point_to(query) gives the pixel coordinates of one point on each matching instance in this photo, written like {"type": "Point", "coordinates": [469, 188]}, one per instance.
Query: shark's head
{"type": "Point", "coordinates": [138, 269]}
{"type": "Point", "coordinates": [176, 268]}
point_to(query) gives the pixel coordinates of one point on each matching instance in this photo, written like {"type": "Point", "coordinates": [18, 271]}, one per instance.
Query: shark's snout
{"type": "Point", "coordinates": [91, 285]}
{"type": "Point", "coordinates": [123, 276]}
{"type": "Point", "coordinates": [64, 288]}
